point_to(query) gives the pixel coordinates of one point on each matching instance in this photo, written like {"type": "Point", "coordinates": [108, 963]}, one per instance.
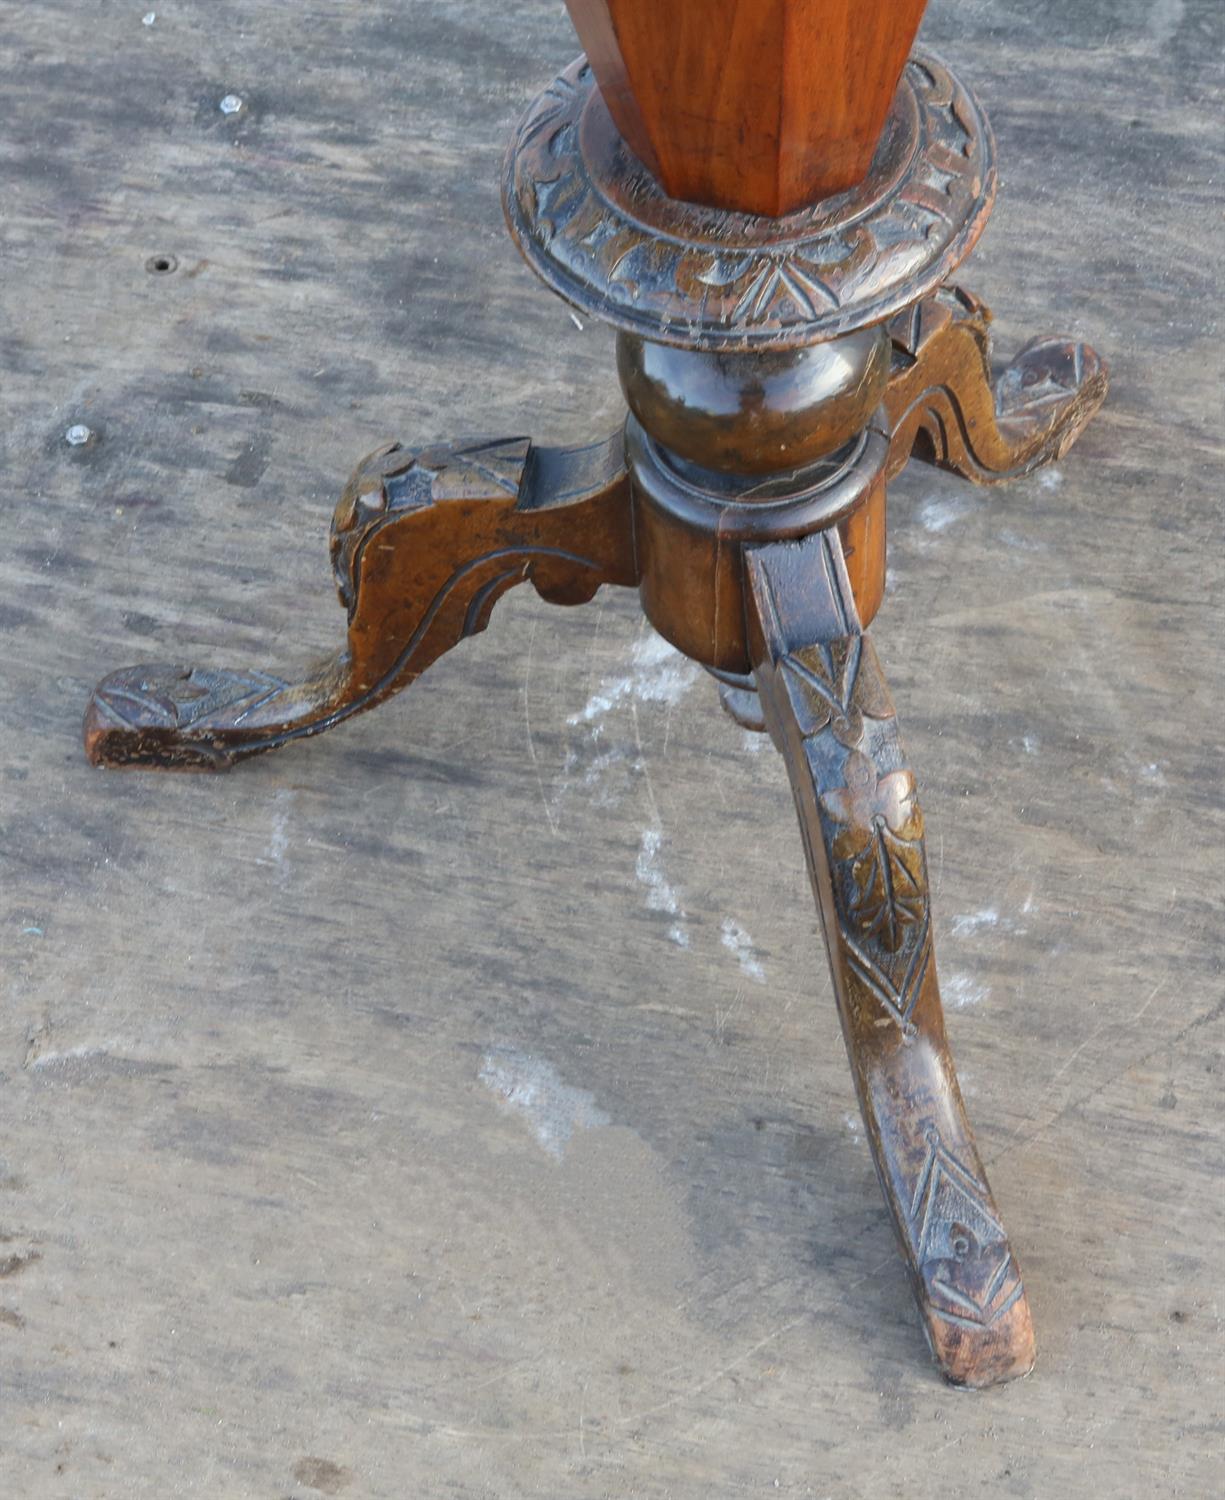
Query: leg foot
{"type": "Point", "coordinates": [424, 543]}
{"type": "Point", "coordinates": [739, 699]}
{"type": "Point", "coordinates": [942, 393]}
{"type": "Point", "coordinates": [827, 707]}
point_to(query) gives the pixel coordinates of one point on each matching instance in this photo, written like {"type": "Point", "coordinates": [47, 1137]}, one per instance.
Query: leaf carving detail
{"type": "Point", "coordinates": [882, 839]}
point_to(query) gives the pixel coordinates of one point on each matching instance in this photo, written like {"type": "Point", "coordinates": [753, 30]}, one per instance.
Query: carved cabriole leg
{"type": "Point", "coordinates": [828, 709]}
{"type": "Point", "coordinates": [424, 543]}
{"type": "Point", "coordinates": [988, 429]}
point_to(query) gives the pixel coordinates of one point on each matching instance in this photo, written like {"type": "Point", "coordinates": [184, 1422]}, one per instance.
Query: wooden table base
{"type": "Point", "coordinates": [769, 581]}
{"type": "Point", "coordinates": [426, 540]}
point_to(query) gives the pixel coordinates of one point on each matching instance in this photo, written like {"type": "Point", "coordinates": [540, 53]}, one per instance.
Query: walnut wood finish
{"type": "Point", "coordinates": [690, 540]}
{"type": "Point", "coordinates": [458, 524]}
{"type": "Point", "coordinates": [944, 405]}
{"type": "Point", "coordinates": [942, 394]}
{"type": "Point", "coordinates": [745, 500]}
{"type": "Point", "coordinates": [599, 230]}
{"type": "Point", "coordinates": [760, 106]}
{"type": "Point", "coordinates": [424, 543]}
{"type": "Point", "coordinates": [829, 712]}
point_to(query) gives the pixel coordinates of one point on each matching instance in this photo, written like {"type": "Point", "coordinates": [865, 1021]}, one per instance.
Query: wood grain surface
{"type": "Point", "coordinates": [755, 105]}
{"type": "Point", "coordinates": [455, 1105]}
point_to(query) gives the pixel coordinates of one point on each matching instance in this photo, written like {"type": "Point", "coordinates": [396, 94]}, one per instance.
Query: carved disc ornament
{"type": "Point", "coordinates": [598, 229]}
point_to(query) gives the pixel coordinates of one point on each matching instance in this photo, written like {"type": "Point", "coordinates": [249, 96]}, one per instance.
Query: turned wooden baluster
{"type": "Point", "coordinates": [829, 712]}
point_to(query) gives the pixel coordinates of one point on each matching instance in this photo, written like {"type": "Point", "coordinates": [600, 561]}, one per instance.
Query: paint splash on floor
{"type": "Point", "coordinates": [960, 991]}
{"type": "Point", "coordinates": [658, 674]}
{"type": "Point", "coordinates": [531, 1087]}
{"type": "Point", "coordinates": [737, 941]}
{"type": "Point", "coordinates": [975, 921]}
{"type": "Point", "coordinates": [661, 894]}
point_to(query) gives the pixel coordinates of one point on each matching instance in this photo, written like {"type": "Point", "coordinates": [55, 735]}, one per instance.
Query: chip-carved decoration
{"type": "Point", "coordinates": [596, 226]}
{"type": "Point", "coordinates": [880, 842]}
{"type": "Point", "coordinates": [425, 541]}
{"type": "Point", "coordinates": [961, 1244]}
{"type": "Point", "coordinates": [887, 983]}
{"type": "Point", "coordinates": [833, 684]}
{"type": "Point", "coordinates": [989, 428]}
{"type": "Point", "coordinates": [871, 822]}
{"type": "Point", "coordinates": [394, 480]}
{"type": "Point", "coordinates": [825, 704]}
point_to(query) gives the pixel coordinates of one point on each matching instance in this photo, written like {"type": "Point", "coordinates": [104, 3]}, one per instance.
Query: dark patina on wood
{"type": "Point", "coordinates": [425, 541]}
{"type": "Point", "coordinates": [601, 232]}
{"type": "Point", "coordinates": [758, 547]}
{"type": "Point", "coordinates": [827, 707]}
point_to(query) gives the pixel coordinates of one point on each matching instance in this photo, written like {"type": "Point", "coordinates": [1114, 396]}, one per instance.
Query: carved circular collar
{"type": "Point", "coordinates": [598, 229]}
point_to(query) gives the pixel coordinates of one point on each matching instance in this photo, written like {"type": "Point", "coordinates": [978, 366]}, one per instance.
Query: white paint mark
{"type": "Point", "coordinates": [736, 940]}
{"type": "Point", "coordinates": [960, 991]}
{"type": "Point", "coordinates": [661, 895]}
{"type": "Point", "coordinates": [577, 321]}
{"type": "Point", "coordinates": [1050, 479]}
{"type": "Point", "coordinates": [753, 742]}
{"type": "Point", "coordinates": [533, 1088]}
{"type": "Point", "coordinates": [938, 513]}
{"type": "Point", "coordinates": [278, 839]}
{"type": "Point", "coordinates": [658, 674]}
{"type": "Point", "coordinates": [1019, 543]}
{"type": "Point", "coordinates": [148, 18]}
{"type": "Point", "coordinates": [854, 1127]}
{"type": "Point", "coordinates": [41, 1060]}
{"type": "Point", "coordinates": [602, 763]}
{"type": "Point", "coordinates": [1031, 744]}
{"type": "Point", "coordinates": [986, 919]}
{"type": "Point", "coordinates": [31, 932]}
{"type": "Point", "coordinates": [973, 921]}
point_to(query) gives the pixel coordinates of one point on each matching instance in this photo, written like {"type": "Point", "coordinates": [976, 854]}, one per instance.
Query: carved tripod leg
{"type": "Point", "coordinates": [986, 429]}
{"type": "Point", "coordinates": [828, 709]}
{"type": "Point", "coordinates": [424, 543]}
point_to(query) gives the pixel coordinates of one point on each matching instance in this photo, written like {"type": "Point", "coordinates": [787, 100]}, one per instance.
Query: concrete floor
{"type": "Point", "coordinates": [454, 1105]}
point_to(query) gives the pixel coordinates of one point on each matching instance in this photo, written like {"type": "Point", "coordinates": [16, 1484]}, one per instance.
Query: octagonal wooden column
{"type": "Point", "coordinates": [760, 106]}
